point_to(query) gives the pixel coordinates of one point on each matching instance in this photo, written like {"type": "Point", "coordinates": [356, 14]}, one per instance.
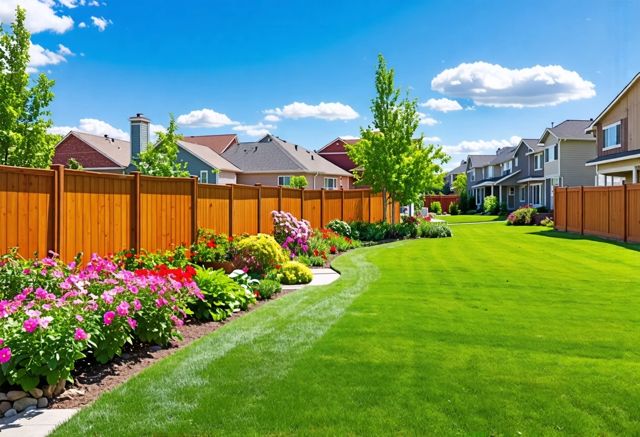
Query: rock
{"type": "Point", "coordinates": [36, 393]}
{"type": "Point", "coordinates": [48, 390]}
{"type": "Point", "coordinates": [14, 395]}
{"type": "Point", "coordinates": [10, 413]}
{"type": "Point", "coordinates": [3, 396]}
{"type": "Point", "coordinates": [60, 387]}
{"type": "Point", "coordinates": [70, 394]}
{"type": "Point", "coordinates": [5, 406]}
{"type": "Point", "coordinates": [43, 402]}
{"type": "Point", "coordinates": [155, 348]}
{"type": "Point", "coordinates": [22, 404]}
{"type": "Point", "coordinates": [30, 408]}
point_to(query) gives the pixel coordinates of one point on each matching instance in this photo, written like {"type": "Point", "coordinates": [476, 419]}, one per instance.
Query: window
{"type": "Point", "coordinates": [516, 162]}
{"type": "Point", "coordinates": [284, 181]}
{"type": "Point", "coordinates": [537, 160]}
{"type": "Point", "coordinates": [507, 167]}
{"type": "Point", "coordinates": [535, 194]}
{"type": "Point", "coordinates": [489, 172]}
{"type": "Point", "coordinates": [551, 153]}
{"type": "Point", "coordinates": [612, 136]}
{"type": "Point", "coordinates": [523, 194]}
{"type": "Point", "coordinates": [330, 183]}
{"type": "Point", "coordinates": [512, 191]}
{"type": "Point", "coordinates": [472, 175]}
{"type": "Point", "coordinates": [204, 177]}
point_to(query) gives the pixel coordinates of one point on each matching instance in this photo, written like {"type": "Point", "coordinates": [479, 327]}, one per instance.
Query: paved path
{"type": "Point", "coordinates": [321, 276]}
{"type": "Point", "coordinates": [35, 423]}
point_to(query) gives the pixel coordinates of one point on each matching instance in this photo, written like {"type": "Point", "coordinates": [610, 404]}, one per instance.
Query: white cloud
{"type": "Point", "coordinates": [95, 3]}
{"type": "Point", "coordinates": [204, 118]}
{"type": "Point", "coordinates": [348, 137]}
{"type": "Point", "coordinates": [100, 22]}
{"type": "Point", "coordinates": [426, 120]}
{"type": "Point", "coordinates": [82, 25]}
{"type": "Point", "coordinates": [432, 139]}
{"type": "Point", "coordinates": [515, 140]}
{"type": "Point", "coordinates": [494, 85]}
{"type": "Point", "coordinates": [64, 51]}
{"type": "Point", "coordinates": [255, 130]}
{"type": "Point", "coordinates": [40, 57]}
{"type": "Point", "coordinates": [72, 3]}
{"type": "Point", "coordinates": [323, 111]}
{"type": "Point", "coordinates": [154, 129]}
{"type": "Point", "coordinates": [92, 126]}
{"type": "Point", "coordinates": [481, 147]}
{"type": "Point", "coordinates": [271, 118]}
{"type": "Point", "coordinates": [442, 105]}
{"type": "Point", "coordinates": [41, 15]}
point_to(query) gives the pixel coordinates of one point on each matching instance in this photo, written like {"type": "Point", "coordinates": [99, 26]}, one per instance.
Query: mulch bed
{"type": "Point", "coordinates": [94, 378]}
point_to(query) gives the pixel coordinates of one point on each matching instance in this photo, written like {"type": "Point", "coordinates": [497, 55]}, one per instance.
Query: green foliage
{"type": "Point", "coordinates": [433, 230]}
{"type": "Point", "coordinates": [548, 222]}
{"type": "Point", "coordinates": [522, 216]}
{"type": "Point", "coordinates": [24, 113]}
{"type": "Point", "coordinates": [298, 182]}
{"type": "Point", "coordinates": [395, 162]}
{"type": "Point", "coordinates": [268, 288]}
{"type": "Point", "coordinates": [161, 159]}
{"type": "Point", "coordinates": [259, 254]}
{"type": "Point", "coordinates": [211, 247]}
{"type": "Point", "coordinates": [490, 205]}
{"type": "Point", "coordinates": [340, 227]}
{"type": "Point", "coordinates": [435, 207]}
{"type": "Point", "coordinates": [73, 164]}
{"type": "Point", "coordinates": [460, 184]}
{"type": "Point", "coordinates": [222, 296]}
{"type": "Point", "coordinates": [294, 272]}
{"type": "Point", "coordinates": [454, 208]}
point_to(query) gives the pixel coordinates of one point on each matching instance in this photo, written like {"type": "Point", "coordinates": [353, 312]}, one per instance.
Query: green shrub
{"type": "Point", "coordinates": [268, 288]}
{"type": "Point", "coordinates": [340, 228]}
{"type": "Point", "coordinates": [522, 216]}
{"type": "Point", "coordinates": [504, 209]}
{"type": "Point", "coordinates": [222, 296]}
{"type": "Point", "coordinates": [454, 208]}
{"type": "Point", "coordinates": [490, 205]}
{"type": "Point", "coordinates": [293, 272]}
{"type": "Point", "coordinates": [259, 254]}
{"type": "Point", "coordinates": [433, 230]}
{"type": "Point", "coordinates": [435, 207]}
{"type": "Point", "coordinates": [548, 222]}
{"type": "Point", "coordinates": [365, 231]}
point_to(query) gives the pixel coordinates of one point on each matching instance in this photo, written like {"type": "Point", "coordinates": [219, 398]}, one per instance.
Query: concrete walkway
{"type": "Point", "coordinates": [34, 423]}
{"type": "Point", "coordinates": [321, 276]}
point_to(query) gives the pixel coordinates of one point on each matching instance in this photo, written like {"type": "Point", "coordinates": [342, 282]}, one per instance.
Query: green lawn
{"type": "Point", "coordinates": [496, 331]}
{"type": "Point", "coordinates": [475, 218]}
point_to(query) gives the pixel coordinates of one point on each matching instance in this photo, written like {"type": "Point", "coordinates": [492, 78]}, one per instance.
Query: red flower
{"type": "Point", "coordinates": [230, 239]}
{"type": "Point", "coordinates": [211, 244]}
{"type": "Point", "coordinates": [278, 266]}
{"type": "Point", "coordinates": [315, 252]}
{"type": "Point", "coordinates": [128, 255]}
{"type": "Point", "coordinates": [333, 250]}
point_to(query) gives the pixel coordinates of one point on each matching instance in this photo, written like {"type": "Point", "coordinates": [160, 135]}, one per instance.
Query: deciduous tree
{"type": "Point", "coordinates": [161, 158]}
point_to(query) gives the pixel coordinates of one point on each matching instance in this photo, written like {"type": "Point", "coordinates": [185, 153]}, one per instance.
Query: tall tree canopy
{"type": "Point", "coordinates": [161, 159]}
{"type": "Point", "coordinates": [395, 161]}
{"type": "Point", "coordinates": [24, 114]}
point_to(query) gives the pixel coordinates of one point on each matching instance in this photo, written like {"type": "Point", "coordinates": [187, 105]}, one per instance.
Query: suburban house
{"type": "Point", "coordinates": [452, 175]}
{"type": "Point", "coordinates": [478, 169]}
{"type": "Point", "coordinates": [499, 177]}
{"type": "Point", "coordinates": [617, 134]}
{"type": "Point", "coordinates": [567, 148]}
{"type": "Point", "coordinates": [218, 143]}
{"type": "Point", "coordinates": [273, 161]}
{"type": "Point", "coordinates": [336, 152]}
{"type": "Point", "coordinates": [105, 154]}
{"type": "Point", "coordinates": [531, 178]}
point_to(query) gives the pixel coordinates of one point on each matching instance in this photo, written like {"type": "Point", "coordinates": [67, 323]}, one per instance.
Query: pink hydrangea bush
{"type": "Point", "coordinates": [293, 234]}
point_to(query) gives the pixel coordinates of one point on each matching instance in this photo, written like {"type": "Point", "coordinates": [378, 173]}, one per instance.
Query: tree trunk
{"type": "Point", "coordinates": [384, 205]}
{"type": "Point", "coordinates": [393, 211]}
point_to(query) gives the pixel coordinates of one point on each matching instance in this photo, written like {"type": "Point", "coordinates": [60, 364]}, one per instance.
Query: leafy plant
{"type": "Point", "coordinates": [490, 205]}
{"type": "Point", "coordinates": [291, 233]}
{"type": "Point", "coordinates": [267, 288]}
{"type": "Point", "coordinates": [248, 284]}
{"type": "Point", "coordinates": [522, 216]}
{"type": "Point", "coordinates": [548, 222]}
{"type": "Point", "coordinates": [428, 229]}
{"type": "Point", "coordinates": [259, 254]}
{"type": "Point", "coordinates": [293, 272]}
{"type": "Point", "coordinates": [211, 247]}
{"type": "Point", "coordinates": [340, 227]}
{"type": "Point", "coordinates": [161, 159]}
{"type": "Point", "coordinates": [222, 296]}
{"type": "Point", "coordinates": [454, 208]}
{"type": "Point", "coordinates": [298, 182]}
{"type": "Point", "coordinates": [435, 207]}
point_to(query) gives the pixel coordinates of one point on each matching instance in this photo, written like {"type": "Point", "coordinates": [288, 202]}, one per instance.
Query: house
{"type": "Point", "coordinates": [105, 154]}
{"type": "Point", "coordinates": [272, 161]}
{"type": "Point", "coordinates": [617, 134]}
{"type": "Point", "coordinates": [531, 179]}
{"type": "Point", "coordinates": [567, 148]}
{"type": "Point", "coordinates": [336, 153]}
{"type": "Point", "coordinates": [218, 143]}
{"type": "Point", "coordinates": [478, 169]}
{"type": "Point", "coordinates": [451, 176]}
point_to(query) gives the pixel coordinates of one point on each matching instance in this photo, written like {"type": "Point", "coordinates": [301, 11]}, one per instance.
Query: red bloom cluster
{"type": "Point", "coordinates": [180, 275]}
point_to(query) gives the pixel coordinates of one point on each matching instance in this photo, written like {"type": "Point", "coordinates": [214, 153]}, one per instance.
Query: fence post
{"type": "Point", "coordinates": [280, 198]}
{"type": "Point", "coordinates": [362, 206]}
{"type": "Point", "coordinates": [322, 207]}
{"type": "Point", "coordinates": [581, 210]}
{"type": "Point", "coordinates": [625, 211]}
{"type": "Point", "coordinates": [566, 208]}
{"type": "Point", "coordinates": [301, 203]}
{"type": "Point", "coordinates": [369, 205]}
{"type": "Point", "coordinates": [194, 208]}
{"type": "Point", "coordinates": [58, 208]}
{"type": "Point", "coordinates": [136, 204]}
{"type": "Point", "coordinates": [259, 207]}
{"type": "Point", "coordinates": [230, 210]}
{"type": "Point", "coordinates": [342, 204]}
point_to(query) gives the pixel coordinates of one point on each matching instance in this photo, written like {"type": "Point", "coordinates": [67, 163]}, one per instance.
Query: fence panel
{"type": "Point", "coordinates": [353, 202]}
{"type": "Point", "coordinates": [270, 202]}
{"type": "Point", "coordinates": [376, 207]}
{"type": "Point", "coordinates": [313, 207]}
{"type": "Point", "coordinates": [596, 202]}
{"type": "Point", "coordinates": [27, 210]}
{"type": "Point", "coordinates": [165, 212]}
{"type": "Point", "coordinates": [332, 206]}
{"type": "Point", "coordinates": [292, 201]}
{"type": "Point", "coordinates": [616, 213]}
{"type": "Point", "coordinates": [245, 209]}
{"type": "Point", "coordinates": [560, 213]}
{"type": "Point", "coordinates": [213, 207]}
{"type": "Point", "coordinates": [574, 214]}
{"type": "Point", "coordinates": [633, 213]}
{"type": "Point", "coordinates": [445, 200]}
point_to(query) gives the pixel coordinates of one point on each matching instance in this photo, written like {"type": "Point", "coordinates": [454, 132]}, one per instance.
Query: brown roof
{"type": "Point", "coordinates": [217, 143]}
{"type": "Point", "coordinates": [208, 156]}
{"type": "Point", "coordinates": [118, 151]}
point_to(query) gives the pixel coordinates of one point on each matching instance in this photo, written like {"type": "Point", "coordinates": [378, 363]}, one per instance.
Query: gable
{"type": "Point", "coordinates": [73, 147]}
{"type": "Point", "coordinates": [338, 146]}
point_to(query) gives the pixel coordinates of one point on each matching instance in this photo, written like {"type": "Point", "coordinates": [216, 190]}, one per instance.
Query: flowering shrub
{"type": "Point", "coordinates": [294, 272]}
{"type": "Point", "coordinates": [211, 247]}
{"type": "Point", "coordinates": [178, 257]}
{"type": "Point", "coordinates": [291, 233]}
{"type": "Point", "coordinates": [522, 216]}
{"type": "Point", "coordinates": [340, 228]}
{"type": "Point", "coordinates": [258, 254]}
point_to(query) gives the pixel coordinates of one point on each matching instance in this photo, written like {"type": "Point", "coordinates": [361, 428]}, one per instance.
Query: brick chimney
{"type": "Point", "coordinates": [139, 133]}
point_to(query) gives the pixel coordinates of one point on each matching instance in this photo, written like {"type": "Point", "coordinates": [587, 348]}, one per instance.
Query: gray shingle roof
{"type": "Point", "coordinates": [274, 155]}
{"type": "Point", "coordinates": [532, 143]}
{"type": "Point", "coordinates": [571, 129]}
{"type": "Point", "coordinates": [503, 155]}
{"type": "Point", "coordinates": [208, 156]}
{"type": "Point", "coordinates": [477, 161]}
{"type": "Point", "coordinates": [459, 169]}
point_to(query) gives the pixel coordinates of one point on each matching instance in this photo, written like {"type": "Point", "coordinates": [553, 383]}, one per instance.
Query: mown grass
{"type": "Point", "coordinates": [470, 218]}
{"type": "Point", "coordinates": [496, 331]}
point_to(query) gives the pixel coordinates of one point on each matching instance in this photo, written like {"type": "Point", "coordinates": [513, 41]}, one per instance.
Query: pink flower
{"type": "Point", "coordinates": [108, 317]}
{"type": "Point", "coordinates": [80, 335]}
{"type": "Point", "coordinates": [30, 325]}
{"type": "Point", "coordinates": [41, 293]}
{"type": "Point", "coordinates": [161, 301]}
{"type": "Point", "coordinates": [44, 322]}
{"type": "Point", "coordinates": [132, 323]}
{"type": "Point", "coordinates": [5, 355]}
{"type": "Point", "coordinates": [123, 308]}
{"type": "Point", "coordinates": [177, 321]}
{"type": "Point", "coordinates": [79, 318]}
{"type": "Point", "coordinates": [137, 305]}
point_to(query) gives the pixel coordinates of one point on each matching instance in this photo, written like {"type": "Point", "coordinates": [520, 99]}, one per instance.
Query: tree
{"type": "Point", "coordinates": [395, 162]}
{"type": "Point", "coordinates": [161, 159]}
{"type": "Point", "coordinates": [73, 164]}
{"type": "Point", "coordinates": [460, 188]}
{"type": "Point", "coordinates": [298, 182]}
{"type": "Point", "coordinates": [24, 114]}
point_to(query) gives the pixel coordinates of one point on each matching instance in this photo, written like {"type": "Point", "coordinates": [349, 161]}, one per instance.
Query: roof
{"type": "Point", "coordinates": [217, 143]}
{"type": "Point", "coordinates": [344, 140]}
{"type": "Point", "coordinates": [208, 156]}
{"type": "Point", "coordinates": [614, 101]}
{"type": "Point", "coordinates": [495, 180]}
{"type": "Point", "coordinates": [118, 151]}
{"type": "Point", "coordinates": [532, 144]}
{"type": "Point", "coordinates": [569, 130]}
{"type": "Point", "coordinates": [477, 161]}
{"type": "Point", "coordinates": [459, 169]}
{"type": "Point", "coordinates": [504, 154]}
{"type": "Point", "coordinates": [274, 155]}
{"type": "Point", "coordinates": [620, 156]}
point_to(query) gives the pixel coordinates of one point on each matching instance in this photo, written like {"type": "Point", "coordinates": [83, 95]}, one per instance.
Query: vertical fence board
{"type": "Point", "coordinates": [312, 207]}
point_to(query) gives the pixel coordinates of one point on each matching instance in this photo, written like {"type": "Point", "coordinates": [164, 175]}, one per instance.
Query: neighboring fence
{"type": "Point", "coordinates": [71, 211]}
{"type": "Point", "coordinates": [609, 212]}
{"type": "Point", "coordinates": [444, 199]}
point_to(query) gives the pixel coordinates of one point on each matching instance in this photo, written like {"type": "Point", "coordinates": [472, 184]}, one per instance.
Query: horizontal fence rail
{"type": "Point", "coordinates": [73, 211]}
{"type": "Point", "coordinates": [608, 212]}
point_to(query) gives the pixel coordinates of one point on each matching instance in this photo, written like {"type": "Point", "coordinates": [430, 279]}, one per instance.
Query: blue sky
{"type": "Point", "coordinates": [507, 69]}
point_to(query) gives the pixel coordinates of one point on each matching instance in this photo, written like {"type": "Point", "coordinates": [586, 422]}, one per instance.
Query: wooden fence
{"type": "Point", "coordinates": [444, 199]}
{"type": "Point", "coordinates": [608, 212]}
{"type": "Point", "coordinates": [71, 211]}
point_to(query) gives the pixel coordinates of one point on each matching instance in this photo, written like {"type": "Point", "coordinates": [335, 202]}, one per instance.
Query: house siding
{"type": "Point", "coordinates": [271, 179]}
{"type": "Point", "coordinates": [336, 153]}
{"type": "Point", "coordinates": [195, 166]}
{"type": "Point", "coordinates": [573, 156]}
{"type": "Point", "coordinates": [627, 110]}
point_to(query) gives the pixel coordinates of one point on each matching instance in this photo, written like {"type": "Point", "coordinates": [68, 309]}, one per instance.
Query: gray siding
{"type": "Point", "coordinates": [194, 165]}
{"type": "Point", "coordinates": [573, 156]}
